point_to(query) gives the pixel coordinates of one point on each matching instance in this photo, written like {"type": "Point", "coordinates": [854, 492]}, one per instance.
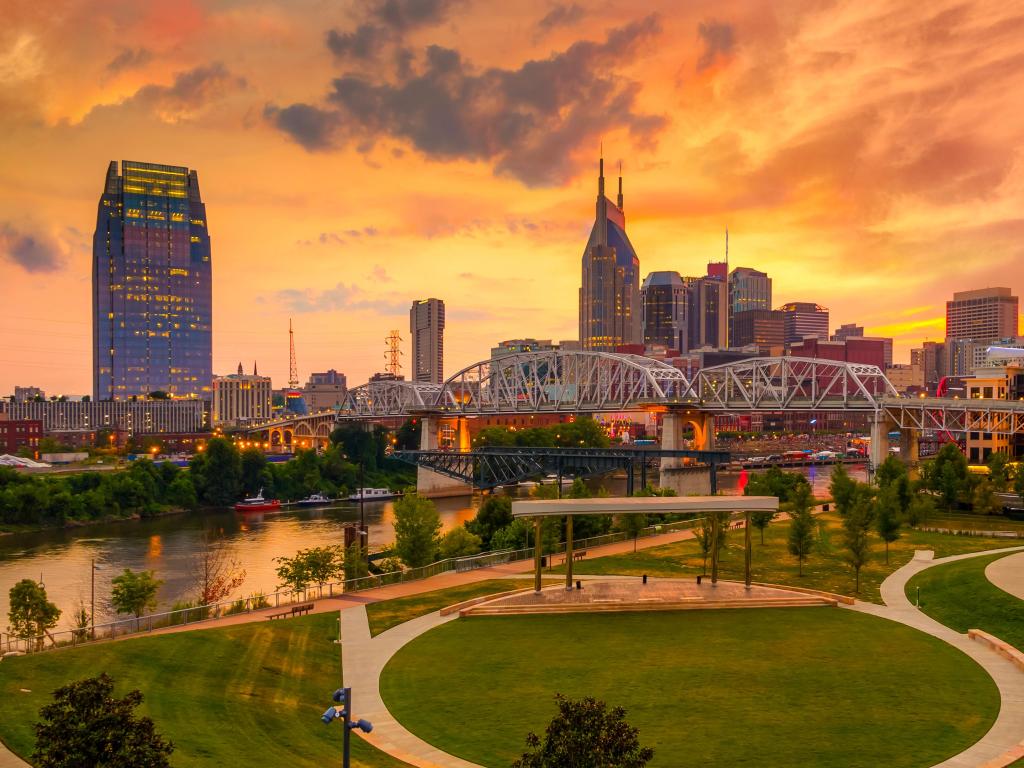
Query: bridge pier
{"type": "Point", "coordinates": [686, 480]}
{"type": "Point", "coordinates": [434, 484]}
{"type": "Point", "coordinates": [879, 441]}
{"type": "Point", "coordinates": [910, 444]}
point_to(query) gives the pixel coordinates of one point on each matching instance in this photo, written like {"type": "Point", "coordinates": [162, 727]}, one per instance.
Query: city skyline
{"type": "Point", "coordinates": [861, 195]}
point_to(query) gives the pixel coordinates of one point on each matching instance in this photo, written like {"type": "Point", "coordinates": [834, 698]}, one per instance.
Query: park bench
{"type": "Point", "coordinates": [575, 556]}
{"type": "Point", "coordinates": [296, 610]}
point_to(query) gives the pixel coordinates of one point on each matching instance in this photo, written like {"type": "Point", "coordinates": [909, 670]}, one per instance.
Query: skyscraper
{"type": "Point", "coordinates": [151, 279]}
{"type": "Point", "coordinates": [610, 292]}
{"type": "Point", "coordinates": [663, 300]}
{"type": "Point", "coordinates": [988, 313]}
{"type": "Point", "coordinates": [749, 290]}
{"type": "Point", "coordinates": [707, 312]}
{"type": "Point", "coordinates": [804, 318]}
{"type": "Point", "coordinates": [426, 324]}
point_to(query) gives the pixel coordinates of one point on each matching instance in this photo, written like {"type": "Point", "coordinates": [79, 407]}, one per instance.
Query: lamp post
{"type": "Point", "coordinates": [343, 711]}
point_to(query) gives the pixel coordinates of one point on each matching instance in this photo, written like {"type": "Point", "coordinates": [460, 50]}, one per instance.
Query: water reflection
{"type": "Point", "coordinates": [166, 545]}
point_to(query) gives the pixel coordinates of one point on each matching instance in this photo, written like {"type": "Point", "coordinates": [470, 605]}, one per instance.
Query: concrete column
{"type": "Point", "coordinates": [428, 482]}
{"type": "Point", "coordinates": [879, 441]}
{"type": "Point", "coordinates": [909, 447]}
{"type": "Point", "coordinates": [462, 435]}
{"type": "Point", "coordinates": [671, 438]}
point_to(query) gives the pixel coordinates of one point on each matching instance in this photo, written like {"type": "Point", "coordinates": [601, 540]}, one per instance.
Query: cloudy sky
{"type": "Point", "coordinates": [357, 155]}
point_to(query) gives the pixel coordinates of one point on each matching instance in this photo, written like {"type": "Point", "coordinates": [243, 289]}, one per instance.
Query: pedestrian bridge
{"type": "Point", "coordinates": [599, 382]}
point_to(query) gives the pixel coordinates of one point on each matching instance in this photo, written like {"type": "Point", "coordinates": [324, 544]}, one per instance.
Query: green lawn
{"type": "Point", "coordinates": [244, 695]}
{"type": "Point", "coordinates": [771, 688]}
{"type": "Point", "coordinates": [825, 569]}
{"type": "Point", "coordinates": [390, 613]}
{"type": "Point", "coordinates": [958, 595]}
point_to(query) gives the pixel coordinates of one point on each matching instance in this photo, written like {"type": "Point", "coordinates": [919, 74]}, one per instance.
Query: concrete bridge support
{"type": "Point", "coordinates": [879, 452]}
{"type": "Point", "coordinates": [434, 484]}
{"type": "Point", "coordinates": [910, 440]}
{"type": "Point", "coordinates": [686, 480]}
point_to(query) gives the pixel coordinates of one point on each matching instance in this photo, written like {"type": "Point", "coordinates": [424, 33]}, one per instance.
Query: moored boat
{"type": "Point", "coordinates": [314, 500]}
{"type": "Point", "coordinates": [373, 494]}
{"type": "Point", "coordinates": [257, 504]}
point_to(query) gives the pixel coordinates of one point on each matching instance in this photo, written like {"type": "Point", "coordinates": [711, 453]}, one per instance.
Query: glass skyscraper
{"type": "Point", "coordinates": [152, 297]}
{"type": "Point", "coordinates": [610, 314]}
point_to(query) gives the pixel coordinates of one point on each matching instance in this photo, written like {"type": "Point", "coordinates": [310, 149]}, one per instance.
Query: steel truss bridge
{"type": "Point", "coordinates": [579, 382]}
{"type": "Point", "coordinates": [492, 466]}
{"type": "Point", "coordinates": [599, 382]}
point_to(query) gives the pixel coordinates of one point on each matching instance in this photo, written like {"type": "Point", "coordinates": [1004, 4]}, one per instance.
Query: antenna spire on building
{"type": "Point", "coordinates": [239, 369]}
{"type": "Point", "coordinates": [254, 371]}
{"type": "Point", "coordinates": [620, 186]}
{"type": "Point", "coordinates": [600, 172]}
{"type": "Point", "coordinates": [293, 370]}
{"type": "Point", "coordinates": [393, 353]}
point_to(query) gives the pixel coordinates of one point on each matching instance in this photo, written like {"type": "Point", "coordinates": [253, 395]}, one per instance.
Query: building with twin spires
{"type": "Point", "coordinates": [610, 312]}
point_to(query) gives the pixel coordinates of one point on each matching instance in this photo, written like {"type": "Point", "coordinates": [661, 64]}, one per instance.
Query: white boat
{"type": "Point", "coordinates": [373, 494]}
{"type": "Point", "coordinates": [554, 479]}
{"type": "Point", "coordinates": [314, 500]}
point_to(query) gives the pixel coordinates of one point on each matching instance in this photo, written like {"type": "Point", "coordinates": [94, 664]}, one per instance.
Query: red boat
{"type": "Point", "coordinates": [257, 504]}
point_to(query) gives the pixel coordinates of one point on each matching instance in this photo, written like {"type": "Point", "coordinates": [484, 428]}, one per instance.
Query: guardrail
{"type": "Point", "coordinates": [207, 613]}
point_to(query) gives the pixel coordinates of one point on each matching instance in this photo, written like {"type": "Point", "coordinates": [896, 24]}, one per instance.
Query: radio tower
{"type": "Point", "coordinates": [293, 370]}
{"type": "Point", "coordinates": [393, 353]}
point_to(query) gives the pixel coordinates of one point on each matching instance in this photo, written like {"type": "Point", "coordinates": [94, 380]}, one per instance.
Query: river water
{"type": "Point", "coordinates": [62, 557]}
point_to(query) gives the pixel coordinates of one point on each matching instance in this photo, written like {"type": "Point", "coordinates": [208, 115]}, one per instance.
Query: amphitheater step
{"type": "Point", "coordinates": [607, 607]}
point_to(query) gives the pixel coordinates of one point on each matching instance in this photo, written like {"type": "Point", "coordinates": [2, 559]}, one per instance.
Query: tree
{"type": "Point", "coordinates": [632, 525]}
{"type": "Point", "coordinates": [31, 614]}
{"type": "Point", "coordinates": [181, 493]}
{"type": "Point", "coordinates": [921, 508]}
{"type": "Point", "coordinates": [984, 499]}
{"type": "Point", "coordinates": [253, 462]}
{"type": "Point", "coordinates": [515, 535]}
{"type": "Point", "coordinates": [760, 520]}
{"type": "Point", "coordinates": [887, 516]}
{"type": "Point", "coordinates": [586, 734]}
{"type": "Point", "coordinates": [855, 536]}
{"type": "Point", "coordinates": [842, 488]}
{"type": "Point", "coordinates": [1018, 483]}
{"type": "Point", "coordinates": [356, 564]}
{"type": "Point", "coordinates": [214, 572]}
{"type": "Point", "coordinates": [494, 514]}
{"type": "Point", "coordinates": [134, 591]}
{"type": "Point", "coordinates": [222, 473]}
{"type": "Point", "coordinates": [801, 526]}
{"type": "Point", "coordinates": [947, 475]}
{"type": "Point", "coordinates": [417, 526]}
{"type": "Point", "coordinates": [459, 542]}
{"type": "Point", "coordinates": [703, 534]}
{"type": "Point", "coordinates": [316, 565]}
{"type": "Point", "coordinates": [87, 727]}
{"type": "Point", "coordinates": [892, 473]}
{"type": "Point", "coordinates": [999, 471]}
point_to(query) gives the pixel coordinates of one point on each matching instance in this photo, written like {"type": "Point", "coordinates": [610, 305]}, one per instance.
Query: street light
{"type": "Point", "coordinates": [343, 697]}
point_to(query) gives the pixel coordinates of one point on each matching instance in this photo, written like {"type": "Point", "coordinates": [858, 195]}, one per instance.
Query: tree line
{"type": "Point", "coordinates": [216, 477]}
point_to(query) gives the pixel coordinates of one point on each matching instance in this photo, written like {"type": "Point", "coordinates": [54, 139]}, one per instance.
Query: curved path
{"type": "Point", "coordinates": [1007, 733]}
{"type": "Point", "coordinates": [1007, 573]}
{"type": "Point", "coordinates": [364, 659]}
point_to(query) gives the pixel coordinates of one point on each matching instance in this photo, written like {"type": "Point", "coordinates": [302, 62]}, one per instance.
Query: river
{"type": "Point", "coordinates": [165, 545]}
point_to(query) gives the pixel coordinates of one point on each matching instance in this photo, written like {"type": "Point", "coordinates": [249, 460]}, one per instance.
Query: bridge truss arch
{"type": "Point", "coordinates": [560, 381]}
{"type": "Point", "coordinates": [793, 384]}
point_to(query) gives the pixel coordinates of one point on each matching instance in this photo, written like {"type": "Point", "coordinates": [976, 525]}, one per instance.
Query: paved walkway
{"type": "Point", "coordinates": [1008, 730]}
{"type": "Point", "coordinates": [1007, 573]}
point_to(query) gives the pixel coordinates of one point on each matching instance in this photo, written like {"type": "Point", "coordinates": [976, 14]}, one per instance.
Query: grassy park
{"type": "Point", "coordinates": [824, 569]}
{"type": "Point", "coordinates": [805, 686]}
{"type": "Point", "coordinates": [270, 681]}
{"type": "Point", "coordinates": [390, 613]}
{"type": "Point", "coordinates": [960, 596]}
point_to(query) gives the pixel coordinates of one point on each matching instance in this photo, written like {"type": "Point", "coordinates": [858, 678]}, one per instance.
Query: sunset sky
{"type": "Point", "coordinates": [356, 156]}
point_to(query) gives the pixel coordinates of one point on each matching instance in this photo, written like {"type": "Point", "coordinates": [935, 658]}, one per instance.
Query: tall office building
{"type": "Point", "coordinates": [707, 313]}
{"type": "Point", "coordinates": [803, 319]}
{"type": "Point", "coordinates": [749, 290]}
{"type": "Point", "coordinates": [239, 397]}
{"type": "Point", "coordinates": [151, 281]}
{"type": "Point", "coordinates": [663, 301]}
{"type": "Point", "coordinates": [610, 290]}
{"type": "Point", "coordinates": [426, 325]}
{"type": "Point", "coordinates": [847, 331]}
{"type": "Point", "coordinates": [765, 328]}
{"type": "Point", "coordinates": [988, 313]}
{"type": "Point", "coordinates": [324, 390]}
